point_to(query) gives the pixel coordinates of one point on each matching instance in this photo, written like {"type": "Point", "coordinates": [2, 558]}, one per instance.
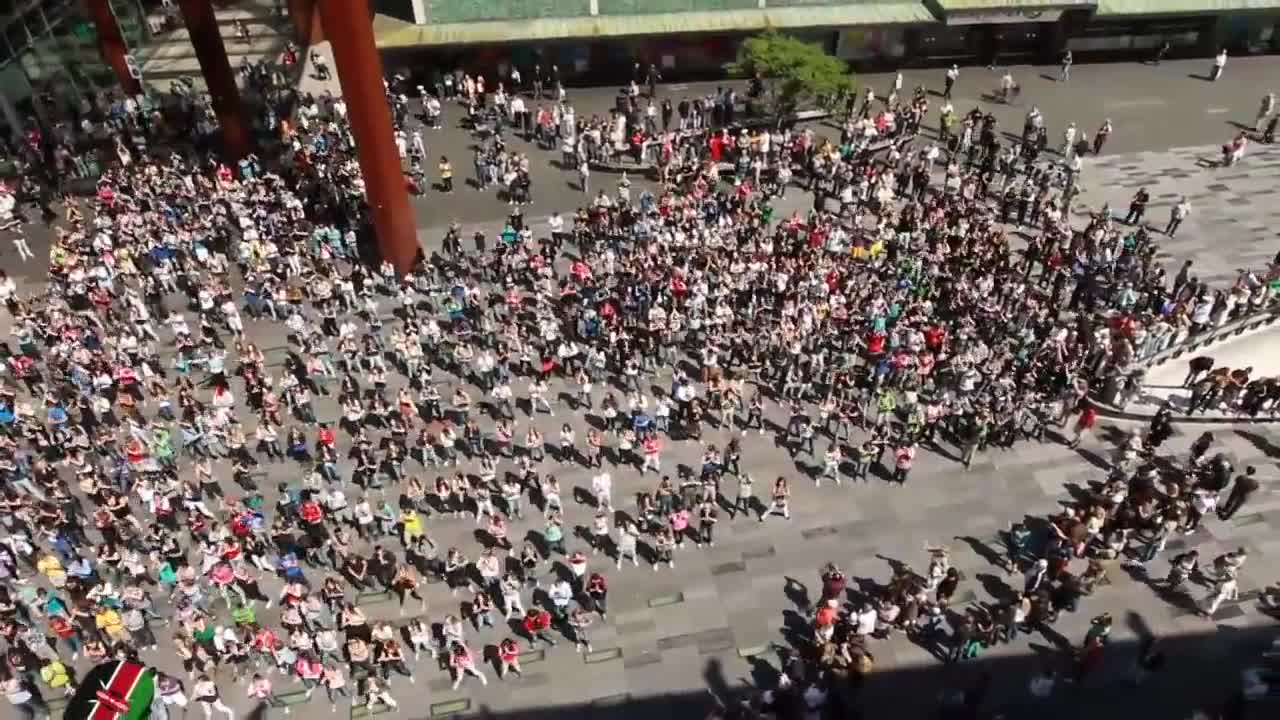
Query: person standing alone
{"type": "Point", "coordinates": [1219, 63]}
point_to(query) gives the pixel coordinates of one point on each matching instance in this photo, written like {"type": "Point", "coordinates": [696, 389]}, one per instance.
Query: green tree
{"type": "Point", "coordinates": [792, 73]}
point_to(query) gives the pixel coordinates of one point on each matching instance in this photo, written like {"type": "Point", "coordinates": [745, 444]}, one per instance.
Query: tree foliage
{"type": "Point", "coordinates": [793, 72]}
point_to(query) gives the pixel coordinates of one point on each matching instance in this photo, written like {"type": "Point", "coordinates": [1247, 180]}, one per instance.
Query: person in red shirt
{"type": "Point", "coordinates": [1088, 659]}
{"type": "Point", "coordinates": [67, 633]}
{"type": "Point", "coordinates": [934, 336]}
{"type": "Point", "coordinates": [509, 657]}
{"type": "Point", "coordinates": [824, 621]}
{"type": "Point", "coordinates": [904, 456]}
{"type": "Point", "coordinates": [326, 437]}
{"type": "Point", "coordinates": [537, 624]}
{"type": "Point", "coordinates": [833, 583]}
{"type": "Point", "coordinates": [1084, 423]}
{"type": "Point", "coordinates": [313, 519]}
{"type": "Point", "coordinates": [875, 342]}
{"type": "Point", "coordinates": [652, 451]}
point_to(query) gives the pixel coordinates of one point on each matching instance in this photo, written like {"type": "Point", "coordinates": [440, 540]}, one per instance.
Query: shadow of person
{"type": "Point", "coordinates": [797, 593]}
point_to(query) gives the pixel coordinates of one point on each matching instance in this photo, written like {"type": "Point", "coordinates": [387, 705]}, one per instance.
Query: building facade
{"type": "Point", "coordinates": [50, 59]}
{"type": "Point", "coordinates": [596, 41]}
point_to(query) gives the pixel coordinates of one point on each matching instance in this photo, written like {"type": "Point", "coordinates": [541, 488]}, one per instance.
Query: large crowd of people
{"type": "Point", "coordinates": [141, 408]}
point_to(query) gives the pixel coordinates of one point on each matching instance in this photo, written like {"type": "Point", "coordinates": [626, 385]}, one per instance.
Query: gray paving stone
{"type": "Point", "coordinates": [677, 641]}
{"type": "Point", "coordinates": [635, 628]}
{"type": "Point", "coordinates": [729, 568]}
{"type": "Point", "coordinates": [819, 532]}
{"type": "Point", "coordinates": [636, 660]}
{"type": "Point", "coordinates": [759, 553]}
{"type": "Point", "coordinates": [714, 641]}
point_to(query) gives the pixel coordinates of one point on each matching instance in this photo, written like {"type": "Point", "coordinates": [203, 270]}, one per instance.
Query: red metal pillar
{"type": "Point", "coordinates": [349, 26]}
{"type": "Point", "coordinates": [111, 44]}
{"type": "Point", "coordinates": [206, 38]}
{"type": "Point", "coordinates": [305, 18]}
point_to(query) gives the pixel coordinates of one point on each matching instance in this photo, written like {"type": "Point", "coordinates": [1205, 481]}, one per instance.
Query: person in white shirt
{"type": "Point", "coordinates": [602, 489]}
{"type": "Point", "coordinates": [1177, 214]}
{"type": "Point", "coordinates": [205, 692]}
{"type": "Point", "coordinates": [8, 291]}
{"type": "Point", "coordinates": [1227, 589]}
{"type": "Point", "coordinates": [865, 621]}
{"type": "Point", "coordinates": [560, 593]}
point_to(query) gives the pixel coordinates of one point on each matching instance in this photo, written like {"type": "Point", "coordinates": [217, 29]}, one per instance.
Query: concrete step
{"type": "Point", "coordinates": [248, 12]}
{"type": "Point", "coordinates": [257, 46]}
{"type": "Point", "coordinates": [162, 83]}
{"type": "Point", "coordinates": [265, 26]}
{"type": "Point", "coordinates": [167, 68]}
{"type": "Point", "coordinates": [251, 14]}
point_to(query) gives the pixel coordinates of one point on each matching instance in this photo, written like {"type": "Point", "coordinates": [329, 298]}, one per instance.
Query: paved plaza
{"type": "Point", "coordinates": [1152, 108]}
{"type": "Point", "coordinates": [711, 623]}
{"type": "Point", "coordinates": [672, 635]}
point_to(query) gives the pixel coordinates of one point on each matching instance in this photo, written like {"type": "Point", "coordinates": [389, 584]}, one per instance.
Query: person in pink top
{"type": "Point", "coordinates": [680, 524]}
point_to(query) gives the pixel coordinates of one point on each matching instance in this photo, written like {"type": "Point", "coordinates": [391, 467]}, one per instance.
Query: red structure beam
{"type": "Point", "coordinates": [348, 24]}
{"type": "Point", "coordinates": [111, 44]}
{"type": "Point", "coordinates": [206, 39]}
{"type": "Point", "coordinates": [305, 19]}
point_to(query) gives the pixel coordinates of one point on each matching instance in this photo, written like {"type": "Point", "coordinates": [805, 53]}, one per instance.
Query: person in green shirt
{"type": "Point", "coordinates": [554, 536]}
{"type": "Point", "coordinates": [886, 405]}
{"type": "Point", "coordinates": [167, 576]}
{"type": "Point", "coordinates": [244, 615]}
{"type": "Point", "coordinates": [56, 676]}
{"type": "Point", "coordinates": [162, 446]}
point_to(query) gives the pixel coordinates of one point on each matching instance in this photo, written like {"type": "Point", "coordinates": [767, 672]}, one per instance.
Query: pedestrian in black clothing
{"type": "Point", "coordinates": [1244, 486]}
{"type": "Point", "coordinates": [1195, 367]}
{"type": "Point", "coordinates": [1138, 207]}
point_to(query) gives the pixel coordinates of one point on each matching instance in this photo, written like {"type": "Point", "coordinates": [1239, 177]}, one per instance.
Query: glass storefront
{"type": "Point", "coordinates": [49, 58]}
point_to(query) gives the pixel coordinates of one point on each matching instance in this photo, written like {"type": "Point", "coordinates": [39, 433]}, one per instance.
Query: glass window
{"type": "Point", "coordinates": [15, 35]}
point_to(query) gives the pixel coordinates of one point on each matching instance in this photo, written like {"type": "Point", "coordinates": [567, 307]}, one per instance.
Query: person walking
{"type": "Point", "coordinates": [1161, 52]}
{"type": "Point", "coordinates": [1197, 367]}
{"type": "Point", "coordinates": [1227, 588]}
{"type": "Point", "coordinates": [1064, 70]}
{"type": "Point", "coordinates": [206, 693]}
{"type": "Point", "coordinates": [949, 81]}
{"type": "Point", "coordinates": [1137, 207]}
{"type": "Point", "coordinates": [1219, 63]}
{"type": "Point", "coordinates": [903, 458]}
{"type": "Point", "coordinates": [1084, 423]}
{"type": "Point", "coordinates": [1100, 138]}
{"type": "Point", "coordinates": [1177, 214]}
